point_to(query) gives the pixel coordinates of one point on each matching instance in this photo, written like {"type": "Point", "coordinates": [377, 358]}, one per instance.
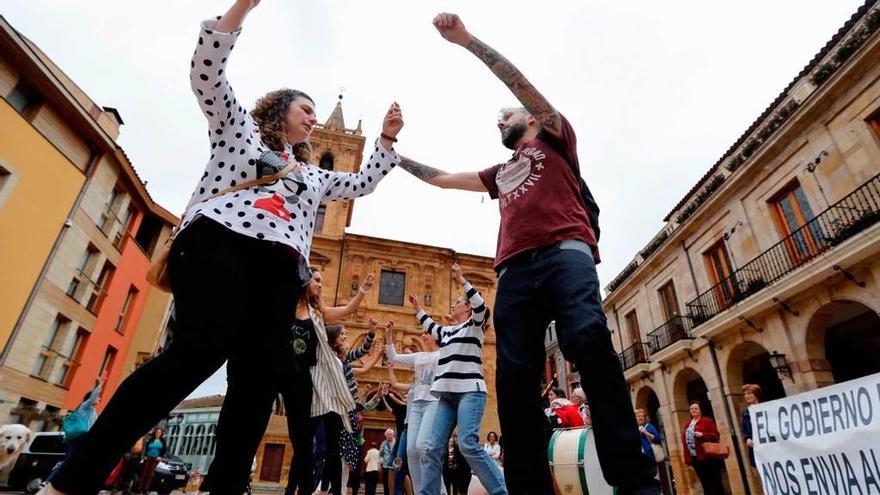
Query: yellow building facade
{"type": "Point", "coordinates": [768, 270]}
{"type": "Point", "coordinates": [77, 232]}
{"type": "Point", "coordinates": [399, 267]}
{"type": "Point", "coordinates": [41, 175]}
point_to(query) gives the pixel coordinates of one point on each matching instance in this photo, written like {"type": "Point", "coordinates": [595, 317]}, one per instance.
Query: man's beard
{"type": "Point", "coordinates": [512, 134]}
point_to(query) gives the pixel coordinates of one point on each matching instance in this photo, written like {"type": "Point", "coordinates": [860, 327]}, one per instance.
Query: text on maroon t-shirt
{"type": "Point", "coordinates": [539, 196]}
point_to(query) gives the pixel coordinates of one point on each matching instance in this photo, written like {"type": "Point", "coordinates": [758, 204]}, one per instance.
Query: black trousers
{"type": "Point", "coordinates": [709, 473]}
{"type": "Point", "coordinates": [301, 429]}
{"type": "Point", "coordinates": [559, 282]}
{"type": "Point", "coordinates": [331, 478]}
{"type": "Point", "coordinates": [462, 477]}
{"type": "Point", "coordinates": [387, 474]}
{"type": "Point", "coordinates": [235, 300]}
{"type": "Point", "coordinates": [371, 479]}
{"type": "Point", "coordinates": [354, 478]}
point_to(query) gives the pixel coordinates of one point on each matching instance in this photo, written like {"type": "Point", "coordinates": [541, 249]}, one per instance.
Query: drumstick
{"type": "Point", "coordinates": [549, 385]}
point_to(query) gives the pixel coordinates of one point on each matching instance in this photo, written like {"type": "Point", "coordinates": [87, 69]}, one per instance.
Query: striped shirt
{"type": "Point", "coordinates": [460, 367]}
{"type": "Point", "coordinates": [352, 356]}
{"type": "Point", "coordinates": [330, 392]}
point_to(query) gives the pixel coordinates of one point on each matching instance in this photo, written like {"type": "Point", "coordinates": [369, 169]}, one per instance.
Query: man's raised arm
{"type": "Point", "coordinates": [466, 181]}
{"type": "Point", "coordinates": [453, 30]}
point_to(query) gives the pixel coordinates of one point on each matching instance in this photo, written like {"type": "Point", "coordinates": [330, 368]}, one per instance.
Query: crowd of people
{"type": "Point", "coordinates": [246, 295]}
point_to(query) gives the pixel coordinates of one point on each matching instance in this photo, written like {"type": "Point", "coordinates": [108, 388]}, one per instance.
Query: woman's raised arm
{"type": "Point", "coordinates": [208, 68]}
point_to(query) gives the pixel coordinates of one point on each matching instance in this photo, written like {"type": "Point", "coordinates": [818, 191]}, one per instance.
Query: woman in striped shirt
{"type": "Point", "coordinates": [459, 385]}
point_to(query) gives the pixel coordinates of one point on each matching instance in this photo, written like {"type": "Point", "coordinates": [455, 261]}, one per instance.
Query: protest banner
{"type": "Point", "coordinates": [826, 441]}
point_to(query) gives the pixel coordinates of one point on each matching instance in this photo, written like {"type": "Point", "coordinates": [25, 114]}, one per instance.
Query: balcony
{"type": "Point", "coordinates": [81, 285]}
{"type": "Point", "coordinates": [854, 213]}
{"type": "Point", "coordinates": [635, 354]}
{"type": "Point", "coordinates": [55, 367]}
{"type": "Point", "coordinates": [677, 328]}
{"type": "Point", "coordinates": [113, 226]}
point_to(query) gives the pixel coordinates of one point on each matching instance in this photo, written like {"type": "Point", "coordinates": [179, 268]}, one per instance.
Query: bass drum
{"type": "Point", "coordinates": [574, 463]}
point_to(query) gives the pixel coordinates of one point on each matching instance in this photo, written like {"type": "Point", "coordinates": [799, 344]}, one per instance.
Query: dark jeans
{"type": "Point", "coordinates": [559, 282]}
{"type": "Point", "coordinates": [331, 479]}
{"type": "Point", "coordinates": [709, 472]}
{"type": "Point", "coordinates": [301, 429]}
{"type": "Point", "coordinates": [386, 474]}
{"type": "Point", "coordinates": [371, 479]}
{"type": "Point", "coordinates": [235, 299]}
{"type": "Point", "coordinates": [401, 473]}
{"type": "Point", "coordinates": [354, 478]}
{"type": "Point", "coordinates": [463, 478]}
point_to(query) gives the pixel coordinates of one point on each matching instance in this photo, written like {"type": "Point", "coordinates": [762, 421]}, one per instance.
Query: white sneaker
{"type": "Point", "coordinates": [47, 489]}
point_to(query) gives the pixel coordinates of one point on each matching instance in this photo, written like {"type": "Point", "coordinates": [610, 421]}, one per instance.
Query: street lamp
{"type": "Point", "coordinates": [780, 365]}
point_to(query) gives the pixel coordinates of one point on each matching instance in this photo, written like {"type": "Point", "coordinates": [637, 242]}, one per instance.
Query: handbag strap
{"type": "Point", "coordinates": [254, 182]}
{"type": "Point", "coordinates": [238, 187]}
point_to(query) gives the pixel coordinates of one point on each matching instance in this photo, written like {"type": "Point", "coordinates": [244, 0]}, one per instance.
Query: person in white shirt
{"type": "Point", "coordinates": [579, 398]}
{"type": "Point", "coordinates": [421, 403]}
{"type": "Point", "coordinates": [371, 469]}
{"type": "Point", "coordinates": [237, 265]}
{"type": "Point", "coordinates": [492, 447]}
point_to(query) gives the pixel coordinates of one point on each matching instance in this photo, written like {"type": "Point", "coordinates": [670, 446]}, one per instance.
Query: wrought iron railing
{"type": "Point", "coordinates": [55, 367]}
{"type": "Point", "coordinates": [854, 213]}
{"type": "Point", "coordinates": [634, 354]}
{"type": "Point", "coordinates": [83, 285]}
{"type": "Point", "coordinates": [110, 219]}
{"type": "Point", "coordinates": [677, 328]}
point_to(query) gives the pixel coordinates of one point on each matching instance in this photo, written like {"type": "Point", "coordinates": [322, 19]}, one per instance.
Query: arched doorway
{"type": "Point", "coordinates": [749, 362]}
{"type": "Point", "coordinates": [846, 335]}
{"type": "Point", "coordinates": [647, 399]}
{"type": "Point", "coordinates": [689, 387]}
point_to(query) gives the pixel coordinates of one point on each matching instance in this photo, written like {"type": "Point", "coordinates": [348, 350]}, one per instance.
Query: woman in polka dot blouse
{"type": "Point", "coordinates": [238, 266]}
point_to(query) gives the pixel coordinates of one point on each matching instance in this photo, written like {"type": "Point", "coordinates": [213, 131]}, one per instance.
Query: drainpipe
{"type": "Point", "coordinates": [619, 333]}
{"type": "Point", "coordinates": [691, 268]}
{"type": "Point", "coordinates": [68, 224]}
{"type": "Point", "coordinates": [729, 415]}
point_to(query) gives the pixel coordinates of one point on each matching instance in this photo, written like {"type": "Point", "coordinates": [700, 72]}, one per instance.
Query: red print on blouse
{"type": "Point", "coordinates": [274, 205]}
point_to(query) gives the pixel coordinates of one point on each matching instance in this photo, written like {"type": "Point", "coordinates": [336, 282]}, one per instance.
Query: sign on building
{"type": "Point", "coordinates": [826, 441]}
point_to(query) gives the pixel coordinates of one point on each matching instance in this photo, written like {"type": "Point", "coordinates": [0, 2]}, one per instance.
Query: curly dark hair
{"type": "Point", "coordinates": [269, 113]}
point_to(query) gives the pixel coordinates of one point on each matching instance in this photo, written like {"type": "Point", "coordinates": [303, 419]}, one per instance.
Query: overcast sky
{"type": "Point", "coordinates": [656, 91]}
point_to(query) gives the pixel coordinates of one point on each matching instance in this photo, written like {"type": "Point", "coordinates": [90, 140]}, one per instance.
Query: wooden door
{"type": "Point", "coordinates": [273, 458]}
{"type": "Point", "coordinates": [718, 264]}
{"type": "Point", "coordinates": [792, 212]}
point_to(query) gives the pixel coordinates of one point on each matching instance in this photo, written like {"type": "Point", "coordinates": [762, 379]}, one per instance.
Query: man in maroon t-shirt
{"type": "Point", "coordinates": [546, 263]}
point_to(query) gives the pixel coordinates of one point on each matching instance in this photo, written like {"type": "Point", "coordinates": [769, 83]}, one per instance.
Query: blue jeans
{"type": "Point", "coordinates": [401, 472]}
{"type": "Point", "coordinates": [421, 423]}
{"type": "Point", "coordinates": [559, 282]}
{"type": "Point", "coordinates": [466, 410]}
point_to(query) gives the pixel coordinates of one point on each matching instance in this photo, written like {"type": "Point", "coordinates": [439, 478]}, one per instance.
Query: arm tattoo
{"type": "Point", "coordinates": [421, 171]}
{"type": "Point", "coordinates": [527, 94]}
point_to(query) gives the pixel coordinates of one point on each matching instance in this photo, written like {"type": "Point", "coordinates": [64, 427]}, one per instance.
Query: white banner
{"type": "Point", "coordinates": [826, 441]}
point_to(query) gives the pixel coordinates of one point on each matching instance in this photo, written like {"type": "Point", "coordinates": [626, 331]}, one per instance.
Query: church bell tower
{"type": "Point", "coordinates": [334, 147]}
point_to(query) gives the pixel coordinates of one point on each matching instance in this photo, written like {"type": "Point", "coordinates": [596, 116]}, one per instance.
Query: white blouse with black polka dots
{"type": "Point", "coordinates": [283, 211]}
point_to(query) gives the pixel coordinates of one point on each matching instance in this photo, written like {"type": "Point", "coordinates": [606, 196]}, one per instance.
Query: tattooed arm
{"type": "Point", "coordinates": [453, 30]}
{"type": "Point", "coordinates": [466, 181]}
